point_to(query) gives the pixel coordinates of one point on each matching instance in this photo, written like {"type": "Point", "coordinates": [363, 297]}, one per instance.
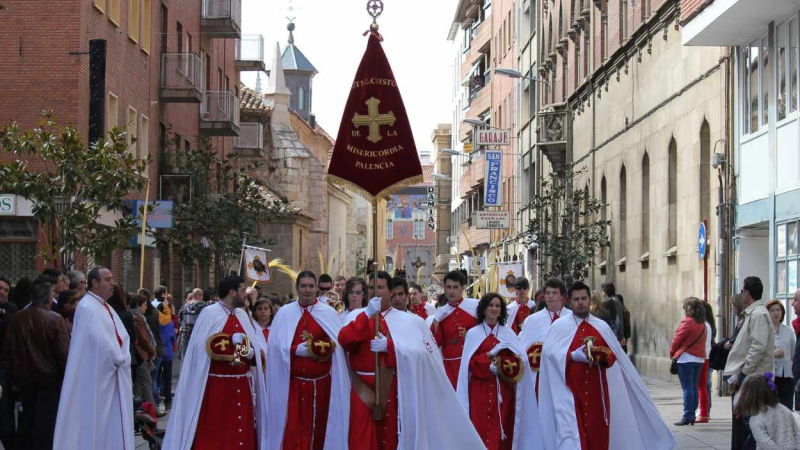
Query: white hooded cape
{"type": "Point", "coordinates": [96, 406]}
{"type": "Point", "coordinates": [430, 414]}
{"type": "Point", "coordinates": [194, 375]}
{"type": "Point", "coordinates": [281, 335]}
{"type": "Point", "coordinates": [634, 421]}
{"type": "Point", "coordinates": [513, 308]}
{"type": "Point", "coordinates": [535, 329]}
{"type": "Point", "coordinates": [526, 417]}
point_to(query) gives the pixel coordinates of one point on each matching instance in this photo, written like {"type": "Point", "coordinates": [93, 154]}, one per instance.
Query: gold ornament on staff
{"type": "Point", "coordinates": [243, 350]}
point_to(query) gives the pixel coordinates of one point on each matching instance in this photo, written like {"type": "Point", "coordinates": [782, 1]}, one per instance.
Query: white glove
{"type": "Point", "coordinates": [302, 350]}
{"type": "Point", "coordinates": [379, 345]}
{"type": "Point", "coordinates": [374, 306]}
{"type": "Point", "coordinates": [495, 350]}
{"type": "Point", "coordinates": [493, 369]}
{"type": "Point", "coordinates": [579, 356]}
{"type": "Point", "coordinates": [442, 312]}
{"type": "Point", "coordinates": [237, 338]}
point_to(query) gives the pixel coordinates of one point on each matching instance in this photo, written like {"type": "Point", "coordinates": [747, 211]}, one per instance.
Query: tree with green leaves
{"type": "Point", "coordinates": [71, 185]}
{"type": "Point", "coordinates": [227, 204]}
{"type": "Point", "coordinates": [566, 231]}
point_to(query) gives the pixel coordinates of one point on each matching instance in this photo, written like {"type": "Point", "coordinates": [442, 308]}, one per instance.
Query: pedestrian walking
{"type": "Point", "coordinates": [773, 425]}
{"type": "Point", "coordinates": [188, 316]}
{"type": "Point", "coordinates": [169, 338]}
{"type": "Point", "coordinates": [785, 342]}
{"type": "Point", "coordinates": [688, 349]}
{"type": "Point", "coordinates": [37, 345]}
{"type": "Point", "coordinates": [145, 349]}
{"type": "Point", "coordinates": [752, 351]}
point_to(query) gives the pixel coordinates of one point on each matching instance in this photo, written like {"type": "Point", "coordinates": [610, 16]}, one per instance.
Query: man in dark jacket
{"type": "Point", "coordinates": [37, 346]}
{"type": "Point", "coordinates": [8, 425]}
{"type": "Point", "coordinates": [152, 321]}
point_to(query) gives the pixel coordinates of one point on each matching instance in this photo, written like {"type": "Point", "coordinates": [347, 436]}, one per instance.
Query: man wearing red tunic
{"type": "Point", "coordinates": [358, 340]}
{"type": "Point", "coordinates": [590, 396]}
{"type": "Point", "coordinates": [217, 404]}
{"type": "Point", "coordinates": [306, 374]}
{"type": "Point", "coordinates": [522, 307]}
{"type": "Point", "coordinates": [451, 323]}
{"type": "Point", "coordinates": [418, 304]}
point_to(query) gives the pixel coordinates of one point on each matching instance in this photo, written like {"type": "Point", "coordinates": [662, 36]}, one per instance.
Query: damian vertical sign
{"type": "Point", "coordinates": [374, 151]}
{"type": "Point", "coordinates": [492, 195]}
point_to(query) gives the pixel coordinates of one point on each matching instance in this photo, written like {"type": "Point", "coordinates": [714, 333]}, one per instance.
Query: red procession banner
{"type": "Point", "coordinates": [375, 152]}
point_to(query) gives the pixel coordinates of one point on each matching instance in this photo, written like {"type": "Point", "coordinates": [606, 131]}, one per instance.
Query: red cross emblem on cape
{"type": "Point", "coordinates": [374, 152]}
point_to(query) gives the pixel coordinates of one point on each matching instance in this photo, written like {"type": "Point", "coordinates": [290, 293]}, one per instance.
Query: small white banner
{"type": "Point", "coordinates": [256, 264]}
{"type": "Point", "coordinates": [417, 257]}
{"type": "Point", "coordinates": [507, 273]}
{"type": "Point", "coordinates": [492, 220]}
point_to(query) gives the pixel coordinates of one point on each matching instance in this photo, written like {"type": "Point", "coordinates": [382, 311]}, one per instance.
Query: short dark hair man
{"type": "Point", "coordinates": [452, 321]}
{"type": "Point", "coordinates": [615, 309]}
{"type": "Point", "coordinates": [38, 343]}
{"type": "Point", "coordinates": [400, 294]}
{"type": "Point", "coordinates": [521, 307]}
{"type": "Point", "coordinates": [324, 284]}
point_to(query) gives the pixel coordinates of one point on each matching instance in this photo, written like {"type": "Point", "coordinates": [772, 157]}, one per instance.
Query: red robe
{"type": "Point", "coordinates": [483, 407]}
{"type": "Point", "coordinates": [226, 416]}
{"type": "Point", "coordinates": [523, 311]}
{"type": "Point", "coordinates": [584, 382]}
{"type": "Point", "coordinates": [450, 338]}
{"type": "Point", "coordinates": [419, 310]}
{"type": "Point", "coordinates": [365, 433]}
{"type": "Point", "coordinates": [309, 392]}
{"type": "Point", "coordinates": [266, 334]}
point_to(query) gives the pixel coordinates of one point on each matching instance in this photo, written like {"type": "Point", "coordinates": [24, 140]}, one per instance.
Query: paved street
{"type": "Point", "coordinates": [715, 435]}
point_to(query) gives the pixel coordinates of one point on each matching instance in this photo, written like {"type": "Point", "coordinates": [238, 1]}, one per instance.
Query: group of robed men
{"type": "Point", "coordinates": [459, 379]}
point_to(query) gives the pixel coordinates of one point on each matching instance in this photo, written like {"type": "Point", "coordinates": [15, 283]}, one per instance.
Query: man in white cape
{"type": "Point", "coordinates": [96, 406]}
{"type": "Point", "coordinates": [527, 434]}
{"type": "Point", "coordinates": [535, 327]}
{"type": "Point", "coordinates": [220, 401]}
{"type": "Point", "coordinates": [308, 387]}
{"type": "Point", "coordinates": [613, 405]}
{"type": "Point", "coordinates": [521, 307]}
{"type": "Point", "coordinates": [429, 413]}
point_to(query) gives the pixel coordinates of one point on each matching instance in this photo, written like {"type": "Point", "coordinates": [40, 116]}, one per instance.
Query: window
{"type": "Point", "coordinates": [603, 209]}
{"type": "Point", "coordinates": [623, 212]}
{"type": "Point", "coordinates": [146, 23]}
{"type": "Point", "coordinates": [750, 90]}
{"type": "Point", "coordinates": [219, 79]}
{"type": "Point", "coordinates": [577, 66]}
{"type": "Point", "coordinates": [645, 232]}
{"type": "Point", "coordinates": [132, 124]}
{"type": "Point", "coordinates": [793, 62]}
{"type": "Point", "coordinates": [301, 98]}
{"type": "Point", "coordinates": [586, 43]}
{"type": "Point", "coordinates": [389, 229]}
{"type": "Point", "coordinates": [144, 138]}
{"type": "Point", "coordinates": [113, 11]}
{"type": "Point", "coordinates": [705, 171]}
{"type": "Point", "coordinates": [164, 29]}
{"type": "Point", "coordinates": [780, 35]}
{"type": "Point", "coordinates": [100, 5]}
{"type": "Point", "coordinates": [603, 36]}
{"type": "Point", "coordinates": [623, 20]}
{"type": "Point", "coordinates": [133, 20]}
{"type": "Point", "coordinates": [672, 194]}
{"type": "Point", "coordinates": [113, 111]}
{"type": "Point", "coordinates": [764, 80]}
{"type": "Point", "coordinates": [786, 266]}
{"type": "Point", "coordinates": [179, 35]}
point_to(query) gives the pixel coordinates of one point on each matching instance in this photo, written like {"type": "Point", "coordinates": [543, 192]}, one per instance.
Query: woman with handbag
{"type": "Point", "coordinates": [784, 350]}
{"type": "Point", "coordinates": [688, 353]}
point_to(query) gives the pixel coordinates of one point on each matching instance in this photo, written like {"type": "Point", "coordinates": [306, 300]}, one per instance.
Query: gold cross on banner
{"type": "Point", "coordinates": [374, 119]}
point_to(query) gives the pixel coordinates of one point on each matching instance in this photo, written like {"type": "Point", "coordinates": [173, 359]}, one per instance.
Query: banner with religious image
{"type": "Point", "coordinates": [416, 257]}
{"type": "Point", "coordinates": [256, 264]}
{"type": "Point", "coordinates": [507, 273]}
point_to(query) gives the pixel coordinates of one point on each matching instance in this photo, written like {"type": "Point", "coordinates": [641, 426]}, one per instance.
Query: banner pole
{"type": "Point", "coordinates": [375, 285]}
{"type": "Point", "coordinates": [144, 231]}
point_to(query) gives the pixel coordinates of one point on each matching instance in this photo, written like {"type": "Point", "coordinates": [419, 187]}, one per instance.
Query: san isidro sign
{"type": "Point", "coordinates": [431, 207]}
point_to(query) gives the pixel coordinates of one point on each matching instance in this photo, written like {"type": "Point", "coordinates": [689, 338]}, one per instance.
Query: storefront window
{"type": "Point", "coordinates": [788, 259]}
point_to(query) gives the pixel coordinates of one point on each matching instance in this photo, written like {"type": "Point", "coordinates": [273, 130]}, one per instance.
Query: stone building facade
{"type": "Point", "coordinates": [627, 102]}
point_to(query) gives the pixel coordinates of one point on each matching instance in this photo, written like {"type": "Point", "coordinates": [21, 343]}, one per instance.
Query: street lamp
{"type": "Point", "coordinates": [511, 73]}
{"type": "Point", "coordinates": [440, 177]}
{"type": "Point", "coordinates": [453, 152]}
{"type": "Point", "coordinates": [475, 122]}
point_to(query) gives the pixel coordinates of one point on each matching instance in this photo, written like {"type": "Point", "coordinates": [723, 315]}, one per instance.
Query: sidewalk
{"type": "Point", "coordinates": [713, 435]}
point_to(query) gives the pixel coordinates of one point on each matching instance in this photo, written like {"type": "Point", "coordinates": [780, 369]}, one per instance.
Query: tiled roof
{"type": "Point", "coordinates": [252, 102]}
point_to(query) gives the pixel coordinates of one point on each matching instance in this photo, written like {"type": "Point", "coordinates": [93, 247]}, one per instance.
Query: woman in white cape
{"type": "Point", "coordinates": [503, 412]}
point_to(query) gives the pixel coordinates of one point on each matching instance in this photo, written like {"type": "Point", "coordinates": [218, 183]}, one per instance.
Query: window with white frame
{"type": "Point", "coordinates": [389, 228]}
{"type": "Point", "coordinates": [786, 66]}
{"type": "Point", "coordinates": [752, 90]}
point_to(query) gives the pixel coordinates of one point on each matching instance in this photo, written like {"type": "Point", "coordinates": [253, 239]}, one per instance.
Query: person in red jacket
{"type": "Point", "coordinates": [689, 349]}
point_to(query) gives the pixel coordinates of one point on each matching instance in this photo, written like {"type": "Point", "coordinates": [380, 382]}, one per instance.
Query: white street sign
{"type": "Point", "coordinates": [8, 206]}
{"type": "Point", "coordinates": [492, 220]}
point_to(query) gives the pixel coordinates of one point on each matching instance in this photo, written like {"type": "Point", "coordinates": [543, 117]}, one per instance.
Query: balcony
{"type": "Point", "coordinates": [553, 123]}
{"type": "Point", "coordinates": [731, 23]}
{"type": "Point", "coordinates": [222, 19]}
{"type": "Point", "coordinates": [250, 141]}
{"type": "Point", "coordinates": [219, 114]}
{"type": "Point", "coordinates": [249, 55]}
{"type": "Point", "coordinates": [181, 78]}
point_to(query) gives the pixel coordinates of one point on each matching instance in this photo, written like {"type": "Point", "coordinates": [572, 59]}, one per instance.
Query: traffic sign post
{"type": "Point", "coordinates": [701, 241]}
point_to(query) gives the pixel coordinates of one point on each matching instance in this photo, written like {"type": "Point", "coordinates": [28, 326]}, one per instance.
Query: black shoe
{"type": "Point", "coordinates": [684, 422]}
